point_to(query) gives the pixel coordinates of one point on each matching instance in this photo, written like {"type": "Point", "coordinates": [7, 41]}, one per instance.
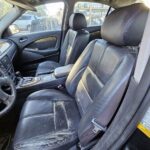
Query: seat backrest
{"type": "Point", "coordinates": [100, 76]}
{"type": "Point", "coordinates": [76, 39]}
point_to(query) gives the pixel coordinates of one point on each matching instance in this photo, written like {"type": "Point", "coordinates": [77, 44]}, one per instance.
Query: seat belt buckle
{"type": "Point", "coordinates": [97, 128]}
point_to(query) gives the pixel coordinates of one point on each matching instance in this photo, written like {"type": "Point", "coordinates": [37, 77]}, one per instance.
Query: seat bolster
{"type": "Point", "coordinates": [78, 69]}
{"type": "Point", "coordinates": [78, 45]}
{"type": "Point", "coordinates": [46, 67]}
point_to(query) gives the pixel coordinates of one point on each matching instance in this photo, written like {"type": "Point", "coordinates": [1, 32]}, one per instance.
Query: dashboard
{"type": "Point", "coordinates": [8, 51]}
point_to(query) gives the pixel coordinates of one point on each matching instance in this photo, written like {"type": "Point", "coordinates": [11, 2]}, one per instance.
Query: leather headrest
{"type": "Point", "coordinates": [77, 21]}
{"type": "Point", "coordinates": [125, 26]}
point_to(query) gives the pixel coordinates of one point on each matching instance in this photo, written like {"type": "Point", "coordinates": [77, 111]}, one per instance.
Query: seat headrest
{"type": "Point", "coordinates": [125, 26]}
{"type": "Point", "coordinates": [77, 21]}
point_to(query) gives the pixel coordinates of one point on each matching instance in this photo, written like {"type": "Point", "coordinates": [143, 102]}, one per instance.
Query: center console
{"type": "Point", "coordinates": [52, 80]}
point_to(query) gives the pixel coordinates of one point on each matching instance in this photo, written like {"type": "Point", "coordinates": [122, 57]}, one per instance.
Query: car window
{"type": "Point", "coordinates": [48, 17]}
{"type": "Point", "coordinates": [4, 8]}
{"type": "Point", "coordinates": [94, 12]}
{"type": "Point", "coordinates": [25, 17]}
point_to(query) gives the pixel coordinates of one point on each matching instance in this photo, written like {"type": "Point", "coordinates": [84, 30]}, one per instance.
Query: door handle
{"type": "Point", "coordinates": [21, 40]}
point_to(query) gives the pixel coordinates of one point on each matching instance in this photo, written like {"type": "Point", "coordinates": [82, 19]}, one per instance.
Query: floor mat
{"type": "Point", "coordinates": [4, 141]}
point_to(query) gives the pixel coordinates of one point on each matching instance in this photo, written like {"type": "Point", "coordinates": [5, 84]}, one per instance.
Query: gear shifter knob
{"type": "Point", "coordinates": [18, 74]}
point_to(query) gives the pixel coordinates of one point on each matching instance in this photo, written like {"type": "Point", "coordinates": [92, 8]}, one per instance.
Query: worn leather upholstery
{"type": "Point", "coordinates": [48, 120]}
{"type": "Point", "coordinates": [75, 41]}
{"type": "Point", "coordinates": [95, 86]}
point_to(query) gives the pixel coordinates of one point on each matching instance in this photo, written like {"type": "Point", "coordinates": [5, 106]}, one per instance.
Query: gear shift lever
{"type": "Point", "coordinates": [18, 74]}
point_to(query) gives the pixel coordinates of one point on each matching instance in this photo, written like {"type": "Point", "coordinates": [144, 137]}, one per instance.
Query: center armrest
{"type": "Point", "coordinates": [63, 71]}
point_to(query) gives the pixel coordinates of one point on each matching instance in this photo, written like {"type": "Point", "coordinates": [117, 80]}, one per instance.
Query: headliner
{"type": "Point", "coordinates": [112, 3]}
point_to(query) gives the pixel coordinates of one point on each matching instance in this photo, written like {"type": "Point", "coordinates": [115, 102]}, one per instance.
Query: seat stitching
{"type": "Point", "coordinates": [50, 100]}
{"type": "Point", "coordinates": [65, 114]}
{"type": "Point", "coordinates": [37, 115]}
{"type": "Point", "coordinates": [54, 110]}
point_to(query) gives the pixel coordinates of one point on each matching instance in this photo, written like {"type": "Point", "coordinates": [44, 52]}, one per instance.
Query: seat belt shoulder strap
{"type": "Point", "coordinates": [144, 52]}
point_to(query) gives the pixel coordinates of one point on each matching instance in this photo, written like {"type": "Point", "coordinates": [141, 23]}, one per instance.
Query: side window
{"type": "Point", "coordinates": [48, 17]}
{"type": "Point", "coordinates": [94, 12]}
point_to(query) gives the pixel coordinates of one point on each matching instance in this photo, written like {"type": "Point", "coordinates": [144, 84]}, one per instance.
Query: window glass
{"type": "Point", "coordinates": [4, 8]}
{"type": "Point", "coordinates": [48, 17]}
{"type": "Point", "coordinates": [94, 12]}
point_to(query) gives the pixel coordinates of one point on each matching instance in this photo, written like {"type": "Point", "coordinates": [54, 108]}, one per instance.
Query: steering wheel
{"type": "Point", "coordinates": [7, 99]}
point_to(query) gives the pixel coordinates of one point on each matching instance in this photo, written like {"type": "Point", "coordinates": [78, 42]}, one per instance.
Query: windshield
{"type": "Point", "coordinates": [4, 8]}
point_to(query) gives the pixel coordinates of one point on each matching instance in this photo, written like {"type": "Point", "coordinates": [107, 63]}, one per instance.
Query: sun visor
{"type": "Point", "coordinates": [22, 4]}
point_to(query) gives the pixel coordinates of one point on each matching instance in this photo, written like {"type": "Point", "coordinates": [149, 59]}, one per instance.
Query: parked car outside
{"type": "Point", "coordinates": [24, 22]}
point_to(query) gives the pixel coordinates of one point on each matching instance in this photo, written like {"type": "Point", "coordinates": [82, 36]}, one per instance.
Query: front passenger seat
{"type": "Point", "coordinates": [75, 41]}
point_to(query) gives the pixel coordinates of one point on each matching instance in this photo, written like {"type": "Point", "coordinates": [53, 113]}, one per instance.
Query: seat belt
{"type": "Point", "coordinates": [144, 52]}
{"type": "Point", "coordinates": [108, 11]}
{"type": "Point", "coordinates": [143, 57]}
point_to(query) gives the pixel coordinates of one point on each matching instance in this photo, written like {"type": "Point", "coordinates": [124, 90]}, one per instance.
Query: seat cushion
{"type": "Point", "coordinates": [46, 67]}
{"type": "Point", "coordinates": [49, 120]}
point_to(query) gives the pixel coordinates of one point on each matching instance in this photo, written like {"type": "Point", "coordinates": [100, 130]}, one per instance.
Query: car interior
{"type": "Point", "coordinates": [74, 75]}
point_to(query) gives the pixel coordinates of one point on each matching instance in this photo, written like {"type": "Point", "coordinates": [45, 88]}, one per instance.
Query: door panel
{"type": "Point", "coordinates": [35, 48]}
{"type": "Point", "coordinates": [30, 56]}
{"type": "Point", "coordinates": [38, 34]}
{"type": "Point", "coordinates": [43, 43]}
{"type": "Point", "coordinates": [30, 39]}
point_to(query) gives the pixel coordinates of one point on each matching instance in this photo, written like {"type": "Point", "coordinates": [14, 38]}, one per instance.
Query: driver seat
{"type": "Point", "coordinates": [52, 119]}
{"type": "Point", "coordinates": [75, 41]}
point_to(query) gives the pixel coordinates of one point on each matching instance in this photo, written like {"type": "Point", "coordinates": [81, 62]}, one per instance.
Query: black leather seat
{"type": "Point", "coordinates": [52, 119]}
{"type": "Point", "coordinates": [75, 41]}
{"type": "Point", "coordinates": [55, 118]}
